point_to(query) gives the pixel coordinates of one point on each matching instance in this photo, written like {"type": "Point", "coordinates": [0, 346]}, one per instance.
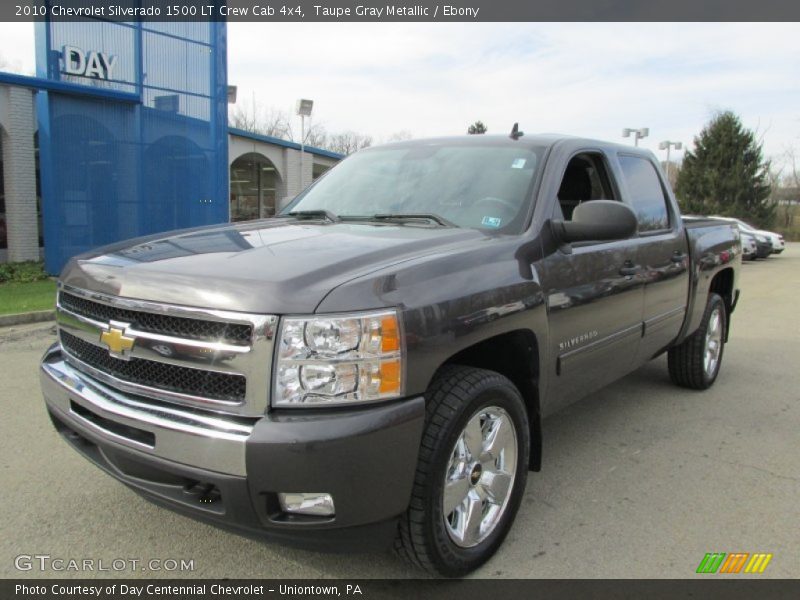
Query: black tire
{"type": "Point", "coordinates": [687, 366]}
{"type": "Point", "coordinates": [455, 397]}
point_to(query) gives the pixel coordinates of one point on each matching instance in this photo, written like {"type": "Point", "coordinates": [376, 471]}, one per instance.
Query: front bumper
{"type": "Point", "coordinates": [229, 470]}
{"type": "Point", "coordinates": [763, 250]}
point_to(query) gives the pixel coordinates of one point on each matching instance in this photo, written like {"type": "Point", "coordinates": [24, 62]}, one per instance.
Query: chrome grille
{"type": "Point", "coordinates": [207, 384]}
{"type": "Point", "coordinates": [193, 329]}
{"type": "Point", "coordinates": [212, 359]}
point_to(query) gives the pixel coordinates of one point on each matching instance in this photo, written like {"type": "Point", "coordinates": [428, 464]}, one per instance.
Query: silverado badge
{"type": "Point", "coordinates": [119, 345]}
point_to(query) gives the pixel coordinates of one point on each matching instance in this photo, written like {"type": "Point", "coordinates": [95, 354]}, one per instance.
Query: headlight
{"type": "Point", "coordinates": [327, 360]}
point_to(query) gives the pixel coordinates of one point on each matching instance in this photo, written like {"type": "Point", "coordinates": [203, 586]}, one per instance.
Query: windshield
{"type": "Point", "coordinates": [469, 185]}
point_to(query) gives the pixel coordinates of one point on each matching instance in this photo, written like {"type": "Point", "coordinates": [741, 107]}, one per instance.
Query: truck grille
{"type": "Point", "coordinates": [193, 329]}
{"type": "Point", "coordinates": [211, 359]}
{"type": "Point", "coordinates": [196, 382]}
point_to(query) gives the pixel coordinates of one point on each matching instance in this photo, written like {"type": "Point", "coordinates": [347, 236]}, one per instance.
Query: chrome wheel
{"type": "Point", "coordinates": [480, 476]}
{"type": "Point", "coordinates": [713, 342]}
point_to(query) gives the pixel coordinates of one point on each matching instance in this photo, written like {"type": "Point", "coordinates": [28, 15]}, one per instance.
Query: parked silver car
{"type": "Point", "coordinates": [749, 246]}
{"type": "Point", "coordinates": [776, 240]}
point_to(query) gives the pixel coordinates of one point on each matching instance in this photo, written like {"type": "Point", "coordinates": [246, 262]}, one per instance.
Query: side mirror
{"type": "Point", "coordinates": [597, 220]}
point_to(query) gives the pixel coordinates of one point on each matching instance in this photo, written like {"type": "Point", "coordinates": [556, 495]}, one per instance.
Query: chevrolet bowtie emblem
{"type": "Point", "coordinates": [119, 345]}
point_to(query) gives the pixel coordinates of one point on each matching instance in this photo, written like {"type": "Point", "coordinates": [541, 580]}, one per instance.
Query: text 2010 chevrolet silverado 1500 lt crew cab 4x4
{"type": "Point", "coordinates": [374, 363]}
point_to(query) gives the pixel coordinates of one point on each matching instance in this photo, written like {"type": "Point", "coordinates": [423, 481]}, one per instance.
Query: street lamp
{"type": "Point", "coordinates": [666, 145]}
{"type": "Point", "coordinates": [304, 110]}
{"type": "Point", "coordinates": [638, 134]}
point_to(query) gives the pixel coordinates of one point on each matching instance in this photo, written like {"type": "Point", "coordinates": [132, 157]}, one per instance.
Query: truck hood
{"type": "Point", "coordinates": [275, 266]}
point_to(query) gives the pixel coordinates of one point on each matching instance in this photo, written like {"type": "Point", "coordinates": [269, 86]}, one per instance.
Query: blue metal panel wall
{"type": "Point", "coordinates": [112, 169]}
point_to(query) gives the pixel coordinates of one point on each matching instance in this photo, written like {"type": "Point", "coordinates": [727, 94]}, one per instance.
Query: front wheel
{"type": "Point", "coordinates": [696, 361]}
{"type": "Point", "coordinates": [471, 472]}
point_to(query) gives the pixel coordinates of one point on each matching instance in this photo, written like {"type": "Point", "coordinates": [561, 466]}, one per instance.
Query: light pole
{"type": "Point", "coordinates": [666, 145]}
{"type": "Point", "coordinates": [638, 134]}
{"type": "Point", "coordinates": [304, 110]}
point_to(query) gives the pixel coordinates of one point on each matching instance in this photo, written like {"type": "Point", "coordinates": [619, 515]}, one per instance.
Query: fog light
{"type": "Point", "coordinates": [308, 503]}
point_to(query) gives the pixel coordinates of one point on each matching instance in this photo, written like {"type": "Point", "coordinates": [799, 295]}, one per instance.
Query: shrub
{"type": "Point", "coordinates": [22, 272]}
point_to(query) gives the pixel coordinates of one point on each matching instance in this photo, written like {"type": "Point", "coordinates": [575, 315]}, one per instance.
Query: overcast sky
{"type": "Point", "coordinates": [589, 79]}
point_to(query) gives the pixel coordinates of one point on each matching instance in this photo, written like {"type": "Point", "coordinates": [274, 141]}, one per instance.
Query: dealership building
{"type": "Point", "coordinates": [124, 132]}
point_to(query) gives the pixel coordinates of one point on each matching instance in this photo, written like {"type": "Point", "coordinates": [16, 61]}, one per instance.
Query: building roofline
{"type": "Point", "coordinates": [49, 85]}
{"type": "Point", "coordinates": [268, 139]}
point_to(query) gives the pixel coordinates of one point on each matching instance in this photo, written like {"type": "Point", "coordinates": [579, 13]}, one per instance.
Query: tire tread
{"type": "Point", "coordinates": [451, 390]}
{"type": "Point", "coordinates": [685, 361]}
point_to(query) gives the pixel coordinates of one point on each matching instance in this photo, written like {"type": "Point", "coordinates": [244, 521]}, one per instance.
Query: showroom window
{"type": "Point", "coordinates": [254, 181]}
{"type": "Point", "coordinates": [319, 170]}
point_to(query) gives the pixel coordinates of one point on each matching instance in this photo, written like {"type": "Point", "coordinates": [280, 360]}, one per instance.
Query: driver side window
{"type": "Point", "coordinates": [585, 179]}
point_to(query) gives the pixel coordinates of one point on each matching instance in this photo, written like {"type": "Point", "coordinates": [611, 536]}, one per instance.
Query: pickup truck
{"type": "Point", "coordinates": [372, 366]}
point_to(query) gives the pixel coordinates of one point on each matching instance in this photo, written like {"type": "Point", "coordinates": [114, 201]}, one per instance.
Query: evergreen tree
{"type": "Point", "coordinates": [477, 127]}
{"type": "Point", "coordinates": [726, 173]}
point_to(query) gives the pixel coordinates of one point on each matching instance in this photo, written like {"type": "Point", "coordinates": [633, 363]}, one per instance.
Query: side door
{"type": "Point", "coordinates": [663, 253]}
{"type": "Point", "coordinates": [593, 293]}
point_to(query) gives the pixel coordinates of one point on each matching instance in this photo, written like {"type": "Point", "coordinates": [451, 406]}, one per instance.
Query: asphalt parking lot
{"type": "Point", "coordinates": [639, 480]}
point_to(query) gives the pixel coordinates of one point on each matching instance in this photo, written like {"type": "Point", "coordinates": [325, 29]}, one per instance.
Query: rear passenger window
{"type": "Point", "coordinates": [647, 195]}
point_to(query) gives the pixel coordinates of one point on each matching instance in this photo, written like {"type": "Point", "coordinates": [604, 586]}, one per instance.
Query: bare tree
{"type": "Point", "coordinates": [775, 178]}
{"type": "Point", "coordinates": [317, 136]}
{"type": "Point", "coordinates": [254, 118]}
{"type": "Point", "coordinates": [792, 169]}
{"type": "Point", "coordinates": [400, 136]}
{"type": "Point", "coordinates": [787, 193]}
{"type": "Point", "coordinates": [348, 142]}
{"type": "Point", "coordinates": [251, 116]}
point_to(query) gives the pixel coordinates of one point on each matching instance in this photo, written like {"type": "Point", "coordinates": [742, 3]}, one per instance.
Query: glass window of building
{"type": "Point", "coordinates": [254, 181]}
{"type": "Point", "coordinates": [319, 170]}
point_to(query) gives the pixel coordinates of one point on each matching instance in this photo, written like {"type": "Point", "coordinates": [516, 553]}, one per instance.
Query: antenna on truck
{"type": "Point", "coordinates": [515, 132]}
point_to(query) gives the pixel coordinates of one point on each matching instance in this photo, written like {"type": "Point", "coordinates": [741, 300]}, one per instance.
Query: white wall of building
{"type": "Point", "coordinates": [17, 126]}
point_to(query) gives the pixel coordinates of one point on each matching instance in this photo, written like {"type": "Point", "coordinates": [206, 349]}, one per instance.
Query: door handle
{"type": "Point", "coordinates": [678, 257]}
{"type": "Point", "coordinates": [629, 269]}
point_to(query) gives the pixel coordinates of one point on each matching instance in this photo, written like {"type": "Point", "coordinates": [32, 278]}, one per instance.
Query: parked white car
{"type": "Point", "coordinates": [775, 239]}
{"type": "Point", "coordinates": [778, 244]}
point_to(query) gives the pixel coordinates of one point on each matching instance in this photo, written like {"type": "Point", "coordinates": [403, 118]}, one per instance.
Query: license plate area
{"type": "Point", "coordinates": [126, 432]}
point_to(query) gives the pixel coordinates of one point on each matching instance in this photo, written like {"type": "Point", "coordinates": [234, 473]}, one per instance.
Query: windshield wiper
{"type": "Point", "coordinates": [439, 220]}
{"type": "Point", "coordinates": [314, 214]}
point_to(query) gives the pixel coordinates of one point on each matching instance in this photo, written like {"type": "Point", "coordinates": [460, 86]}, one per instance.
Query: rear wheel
{"type": "Point", "coordinates": [471, 473]}
{"type": "Point", "coordinates": [695, 363]}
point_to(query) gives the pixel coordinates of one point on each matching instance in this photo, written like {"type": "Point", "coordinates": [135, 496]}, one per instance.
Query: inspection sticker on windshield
{"type": "Point", "coordinates": [491, 221]}
{"type": "Point", "coordinates": [519, 163]}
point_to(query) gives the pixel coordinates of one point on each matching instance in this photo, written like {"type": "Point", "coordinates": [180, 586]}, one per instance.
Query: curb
{"type": "Point", "coordinates": [29, 317]}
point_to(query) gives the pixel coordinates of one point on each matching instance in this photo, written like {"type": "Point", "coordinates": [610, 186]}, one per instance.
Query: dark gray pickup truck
{"type": "Point", "coordinates": [373, 365]}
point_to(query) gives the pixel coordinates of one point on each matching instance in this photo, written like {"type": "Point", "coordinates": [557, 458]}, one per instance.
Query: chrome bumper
{"type": "Point", "coordinates": [180, 435]}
